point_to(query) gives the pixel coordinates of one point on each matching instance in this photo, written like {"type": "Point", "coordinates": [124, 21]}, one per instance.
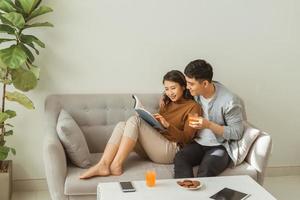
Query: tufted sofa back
{"type": "Point", "coordinates": [96, 114]}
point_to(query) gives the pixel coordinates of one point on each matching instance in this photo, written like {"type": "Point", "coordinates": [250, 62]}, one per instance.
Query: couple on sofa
{"type": "Point", "coordinates": [208, 141]}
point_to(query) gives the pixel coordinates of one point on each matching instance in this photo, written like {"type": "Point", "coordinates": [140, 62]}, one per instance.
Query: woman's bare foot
{"type": "Point", "coordinates": [116, 169]}
{"type": "Point", "coordinates": [96, 170]}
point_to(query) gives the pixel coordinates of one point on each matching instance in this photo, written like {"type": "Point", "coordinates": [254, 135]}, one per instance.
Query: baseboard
{"type": "Point", "coordinates": [283, 171]}
{"type": "Point", "coordinates": [41, 184]}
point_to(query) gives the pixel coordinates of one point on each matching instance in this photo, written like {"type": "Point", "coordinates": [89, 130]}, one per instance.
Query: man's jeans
{"type": "Point", "coordinates": [211, 160]}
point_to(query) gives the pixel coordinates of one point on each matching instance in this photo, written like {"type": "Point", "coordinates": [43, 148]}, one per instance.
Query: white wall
{"type": "Point", "coordinates": [112, 46]}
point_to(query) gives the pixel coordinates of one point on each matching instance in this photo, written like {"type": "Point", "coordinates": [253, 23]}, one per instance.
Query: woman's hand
{"type": "Point", "coordinates": [162, 120]}
{"type": "Point", "coordinates": [200, 123]}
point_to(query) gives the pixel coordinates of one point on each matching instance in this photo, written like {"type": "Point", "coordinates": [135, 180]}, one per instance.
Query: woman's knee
{"type": "Point", "coordinates": [133, 119]}
{"type": "Point", "coordinates": [131, 129]}
{"type": "Point", "coordinates": [117, 133]}
{"type": "Point", "coordinates": [119, 127]}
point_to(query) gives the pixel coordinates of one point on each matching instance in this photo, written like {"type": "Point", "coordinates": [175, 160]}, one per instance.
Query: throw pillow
{"type": "Point", "coordinates": [73, 140]}
{"type": "Point", "coordinates": [245, 143]}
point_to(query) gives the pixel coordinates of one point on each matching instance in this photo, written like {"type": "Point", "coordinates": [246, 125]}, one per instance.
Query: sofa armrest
{"type": "Point", "coordinates": [55, 166]}
{"type": "Point", "coordinates": [258, 155]}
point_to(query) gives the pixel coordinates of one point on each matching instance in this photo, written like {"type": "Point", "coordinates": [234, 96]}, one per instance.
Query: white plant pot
{"type": "Point", "coordinates": [6, 182]}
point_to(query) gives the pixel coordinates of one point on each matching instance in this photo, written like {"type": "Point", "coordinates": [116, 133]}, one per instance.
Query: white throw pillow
{"type": "Point", "coordinates": [73, 140]}
{"type": "Point", "coordinates": [245, 143]}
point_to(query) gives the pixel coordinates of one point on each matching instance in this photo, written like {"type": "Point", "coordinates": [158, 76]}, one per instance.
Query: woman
{"type": "Point", "coordinates": [136, 133]}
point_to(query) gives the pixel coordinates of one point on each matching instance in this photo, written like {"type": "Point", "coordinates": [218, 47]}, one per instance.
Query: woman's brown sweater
{"type": "Point", "coordinates": [176, 114]}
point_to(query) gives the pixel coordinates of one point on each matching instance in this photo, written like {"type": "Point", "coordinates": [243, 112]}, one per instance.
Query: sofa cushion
{"type": "Point", "coordinates": [73, 140]}
{"type": "Point", "coordinates": [242, 169]}
{"type": "Point", "coordinates": [244, 144]}
{"type": "Point", "coordinates": [134, 169]}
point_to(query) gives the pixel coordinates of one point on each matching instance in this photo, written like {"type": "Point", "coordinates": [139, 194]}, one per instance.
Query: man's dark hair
{"type": "Point", "coordinates": [199, 70]}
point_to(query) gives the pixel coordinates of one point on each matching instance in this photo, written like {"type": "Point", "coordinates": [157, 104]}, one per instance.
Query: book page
{"type": "Point", "coordinates": [137, 104]}
{"type": "Point", "coordinates": [146, 115]}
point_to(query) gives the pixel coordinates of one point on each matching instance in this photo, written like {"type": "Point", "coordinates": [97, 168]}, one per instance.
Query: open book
{"type": "Point", "coordinates": [146, 115]}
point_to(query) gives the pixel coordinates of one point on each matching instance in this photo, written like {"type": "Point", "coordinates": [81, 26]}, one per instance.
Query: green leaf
{"type": "Point", "coordinates": [5, 21]}
{"type": "Point", "coordinates": [11, 113]}
{"type": "Point", "coordinates": [6, 29]}
{"type": "Point", "coordinates": [23, 79]}
{"type": "Point", "coordinates": [33, 47]}
{"type": "Point", "coordinates": [43, 24]}
{"type": "Point", "coordinates": [5, 40]}
{"type": "Point", "coordinates": [28, 53]}
{"type": "Point", "coordinates": [7, 6]}
{"type": "Point", "coordinates": [40, 11]}
{"type": "Point", "coordinates": [13, 151]}
{"type": "Point", "coordinates": [29, 39]}
{"type": "Point", "coordinates": [20, 9]}
{"type": "Point", "coordinates": [3, 117]}
{"type": "Point", "coordinates": [28, 5]}
{"type": "Point", "coordinates": [2, 143]}
{"type": "Point", "coordinates": [8, 125]}
{"type": "Point", "coordinates": [13, 56]}
{"type": "Point", "coordinates": [3, 68]}
{"type": "Point", "coordinates": [37, 4]}
{"type": "Point", "coordinates": [4, 152]}
{"type": "Point", "coordinates": [8, 133]}
{"type": "Point", "coordinates": [20, 98]}
{"type": "Point", "coordinates": [15, 19]}
{"type": "Point", "coordinates": [36, 71]}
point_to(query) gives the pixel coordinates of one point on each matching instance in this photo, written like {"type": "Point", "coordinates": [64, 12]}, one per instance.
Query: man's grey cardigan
{"type": "Point", "coordinates": [226, 110]}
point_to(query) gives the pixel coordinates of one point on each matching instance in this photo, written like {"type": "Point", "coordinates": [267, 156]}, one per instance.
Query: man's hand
{"type": "Point", "coordinates": [203, 123]}
{"type": "Point", "coordinates": [200, 123]}
{"type": "Point", "coordinates": [162, 120]}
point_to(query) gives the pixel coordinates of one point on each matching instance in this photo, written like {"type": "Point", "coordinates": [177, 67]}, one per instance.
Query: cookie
{"type": "Point", "coordinates": [188, 183]}
{"type": "Point", "coordinates": [196, 183]}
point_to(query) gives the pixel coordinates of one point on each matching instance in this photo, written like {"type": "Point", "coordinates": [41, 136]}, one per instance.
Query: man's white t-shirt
{"type": "Point", "coordinates": [206, 137]}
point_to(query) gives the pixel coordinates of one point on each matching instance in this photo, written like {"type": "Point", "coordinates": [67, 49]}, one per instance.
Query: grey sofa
{"type": "Point", "coordinates": [97, 114]}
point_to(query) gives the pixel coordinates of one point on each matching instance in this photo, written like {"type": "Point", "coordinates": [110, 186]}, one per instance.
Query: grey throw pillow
{"type": "Point", "coordinates": [244, 144]}
{"type": "Point", "coordinates": [73, 140]}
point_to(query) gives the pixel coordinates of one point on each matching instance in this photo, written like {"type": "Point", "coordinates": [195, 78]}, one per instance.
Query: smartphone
{"type": "Point", "coordinates": [127, 186]}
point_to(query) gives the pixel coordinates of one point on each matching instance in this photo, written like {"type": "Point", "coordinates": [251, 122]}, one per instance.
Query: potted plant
{"type": "Point", "coordinates": [17, 55]}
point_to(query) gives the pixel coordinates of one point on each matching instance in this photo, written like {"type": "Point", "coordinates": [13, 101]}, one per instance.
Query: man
{"type": "Point", "coordinates": [218, 130]}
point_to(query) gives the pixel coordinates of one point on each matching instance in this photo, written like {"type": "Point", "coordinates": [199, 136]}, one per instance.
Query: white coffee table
{"type": "Point", "coordinates": [168, 189]}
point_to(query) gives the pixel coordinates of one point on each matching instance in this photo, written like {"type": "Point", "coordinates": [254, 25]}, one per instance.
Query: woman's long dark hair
{"type": "Point", "coordinates": [177, 77]}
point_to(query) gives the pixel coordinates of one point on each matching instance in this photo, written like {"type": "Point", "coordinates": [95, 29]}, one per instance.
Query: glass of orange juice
{"type": "Point", "coordinates": [193, 117]}
{"type": "Point", "coordinates": [150, 177]}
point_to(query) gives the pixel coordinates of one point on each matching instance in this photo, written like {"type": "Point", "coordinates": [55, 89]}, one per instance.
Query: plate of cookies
{"type": "Point", "coordinates": [190, 184]}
